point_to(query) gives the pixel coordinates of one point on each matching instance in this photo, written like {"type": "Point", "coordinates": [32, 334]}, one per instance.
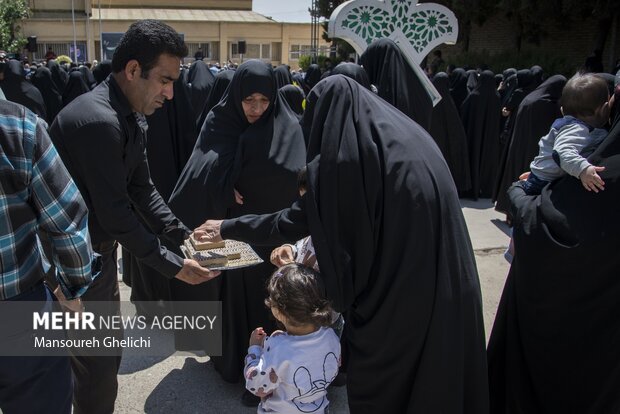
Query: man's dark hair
{"type": "Point", "coordinates": [437, 53]}
{"type": "Point", "coordinates": [583, 94]}
{"type": "Point", "coordinates": [145, 41]}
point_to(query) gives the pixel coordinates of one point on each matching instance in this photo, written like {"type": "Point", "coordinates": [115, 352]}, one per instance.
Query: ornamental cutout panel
{"type": "Point", "coordinates": [416, 28]}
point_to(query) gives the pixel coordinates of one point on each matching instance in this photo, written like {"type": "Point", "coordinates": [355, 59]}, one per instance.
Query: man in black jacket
{"type": "Point", "coordinates": [101, 137]}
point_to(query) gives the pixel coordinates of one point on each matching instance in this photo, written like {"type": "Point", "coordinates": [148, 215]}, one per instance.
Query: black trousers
{"type": "Point", "coordinates": [96, 385]}
{"type": "Point", "coordinates": [35, 384]}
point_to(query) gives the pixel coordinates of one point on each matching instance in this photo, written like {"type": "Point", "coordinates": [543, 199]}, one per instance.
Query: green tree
{"type": "Point", "coordinates": [12, 12]}
{"type": "Point", "coordinates": [533, 18]}
{"type": "Point", "coordinates": [325, 9]}
{"type": "Point", "coordinates": [468, 12]}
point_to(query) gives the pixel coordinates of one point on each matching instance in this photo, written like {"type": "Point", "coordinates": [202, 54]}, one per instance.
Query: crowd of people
{"type": "Point", "coordinates": [346, 182]}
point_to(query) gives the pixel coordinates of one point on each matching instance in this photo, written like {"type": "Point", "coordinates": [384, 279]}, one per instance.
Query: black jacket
{"type": "Point", "coordinates": [103, 148]}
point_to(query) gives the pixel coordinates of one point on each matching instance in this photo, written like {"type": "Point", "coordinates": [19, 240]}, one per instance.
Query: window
{"type": "Point", "coordinates": [61, 49]}
{"type": "Point", "coordinates": [297, 51]}
{"type": "Point", "coordinates": [294, 52]}
{"type": "Point", "coordinates": [252, 51]}
{"type": "Point", "coordinates": [276, 51]}
{"type": "Point", "coordinates": [193, 48]}
{"type": "Point", "coordinates": [265, 51]}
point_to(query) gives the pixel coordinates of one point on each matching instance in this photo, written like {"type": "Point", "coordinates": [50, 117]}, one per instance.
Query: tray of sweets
{"type": "Point", "coordinates": [233, 255]}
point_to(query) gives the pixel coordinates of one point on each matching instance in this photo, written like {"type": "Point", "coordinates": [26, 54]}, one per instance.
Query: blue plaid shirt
{"type": "Point", "coordinates": [38, 194]}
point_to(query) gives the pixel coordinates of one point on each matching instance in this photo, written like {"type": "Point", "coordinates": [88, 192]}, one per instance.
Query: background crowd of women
{"type": "Point", "coordinates": [210, 162]}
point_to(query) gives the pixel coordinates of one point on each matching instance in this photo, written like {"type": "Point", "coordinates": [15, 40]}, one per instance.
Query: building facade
{"type": "Point", "coordinates": [87, 29]}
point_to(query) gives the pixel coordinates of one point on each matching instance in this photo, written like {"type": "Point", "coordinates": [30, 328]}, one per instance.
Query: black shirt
{"type": "Point", "coordinates": [103, 147]}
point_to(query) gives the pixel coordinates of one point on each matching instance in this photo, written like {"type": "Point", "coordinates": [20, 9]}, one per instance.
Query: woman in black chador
{"type": "Point", "coordinates": [447, 131]}
{"type": "Point", "coordinates": [480, 115]}
{"type": "Point", "coordinates": [394, 253]}
{"type": "Point", "coordinates": [200, 80]}
{"type": "Point", "coordinates": [102, 70]}
{"type": "Point", "coordinates": [59, 75]}
{"type": "Point", "coordinates": [458, 87]}
{"type": "Point", "coordinates": [293, 96]}
{"type": "Point", "coordinates": [353, 71]}
{"type": "Point", "coordinates": [17, 89]}
{"type": "Point", "coordinates": [75, 87]}
{"type": "Point", "coordinates": [222, 79]}
{"type": "Point", "coordinates": [554, 345]}
{"type": "Point", "coordinates": [282, 75]}
{"type": "Point", "coordinates": [42, 80]}
{"type": "Point", "coordinates": [517, 90]}
{"type": "Point", "coordinates": [536, 114]}
{"type": "Point", "coordinates": [313, 75]}
{"type": "Point", "coordinates": [245, 161]}
{"type": "Point", "coordinates": [396, 82]}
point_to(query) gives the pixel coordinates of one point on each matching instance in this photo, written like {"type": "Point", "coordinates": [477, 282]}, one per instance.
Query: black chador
{"type": "Point", "coordinates": [554, 344]}
{"type": "Point", "coordinates": [394, 253]}
{"type": "Point", "coordinates": [261, 162]}
{"type": "Point", "coordinates": [396, 82]}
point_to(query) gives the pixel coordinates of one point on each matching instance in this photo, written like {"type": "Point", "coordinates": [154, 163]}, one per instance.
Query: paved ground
{"type": "Point", "coordinates": [181, 384]}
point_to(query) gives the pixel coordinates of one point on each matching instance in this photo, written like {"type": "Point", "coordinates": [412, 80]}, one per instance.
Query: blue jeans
{"type": "Point", "coordinates": [35, 384]}
{"type": "Point", "coordinates": [534, 185]}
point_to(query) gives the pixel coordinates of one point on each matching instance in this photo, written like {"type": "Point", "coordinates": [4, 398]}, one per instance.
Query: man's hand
{"type": "Point", "coordinates": [71, 305]}
{"type": "Point", "coordinates": [590, 180]}
{"type": "Point", "coordinates": [282, 255]}
{"type": "Point", "coordinates": [257, 337]}
{"type": "Point", "coordinates": [209, 231]}
{"type": "Point", "coordinates": [194, 274]}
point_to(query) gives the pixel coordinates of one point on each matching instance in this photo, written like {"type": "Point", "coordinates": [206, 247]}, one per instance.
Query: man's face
{"type": "Point", "coordinates": [150, 94]}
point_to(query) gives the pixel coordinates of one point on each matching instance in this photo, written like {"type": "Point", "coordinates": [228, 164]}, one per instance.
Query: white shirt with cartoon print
{"type": "Point", "coordinates": [291, 373]}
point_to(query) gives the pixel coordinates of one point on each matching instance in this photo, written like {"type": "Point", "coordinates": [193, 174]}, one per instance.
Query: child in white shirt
{"type": "Point", "coordinates": [291, 369]}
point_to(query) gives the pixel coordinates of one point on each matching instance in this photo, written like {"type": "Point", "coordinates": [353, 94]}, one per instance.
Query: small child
{"type": "Point", "coordinates": [291, 370]}
{"type": "Point", "coordinates": [585, 109]}
{"type": "Point", "coordinates": [585, 106]}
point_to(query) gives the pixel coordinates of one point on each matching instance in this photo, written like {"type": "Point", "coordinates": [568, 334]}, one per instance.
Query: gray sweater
{"type": "Point", "coordinates": [571, 140]}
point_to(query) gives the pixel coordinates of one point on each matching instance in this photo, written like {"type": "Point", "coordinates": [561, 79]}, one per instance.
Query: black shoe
{"type": "Point", "coordinates": [340, 380]}
{"type": "Point", "coordinates": [249, 400]}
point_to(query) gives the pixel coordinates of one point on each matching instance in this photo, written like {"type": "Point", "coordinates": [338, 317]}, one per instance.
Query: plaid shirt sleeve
{"type": "Point", "coordinates": [62, 215]}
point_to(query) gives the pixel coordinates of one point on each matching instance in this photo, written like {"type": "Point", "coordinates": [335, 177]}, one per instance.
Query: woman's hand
{"type": "Point", "coordinates": [209, 231]}
{"type": "Point", "coordinates": [282, 255]}
{"type": "Point", "coordinates": [238, 197]}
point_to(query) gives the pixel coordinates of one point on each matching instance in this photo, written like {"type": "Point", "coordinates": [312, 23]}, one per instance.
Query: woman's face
{"type": "Point", "coordinates": [254, 106]}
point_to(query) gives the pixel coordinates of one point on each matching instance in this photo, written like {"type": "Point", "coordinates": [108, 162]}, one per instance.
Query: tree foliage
{"type": "Point", "coordinates": [12, 12]}
{"type": "Point", "coordinates": [531, 19]}
{"type": "Point", "coordinates": [325, 9]}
